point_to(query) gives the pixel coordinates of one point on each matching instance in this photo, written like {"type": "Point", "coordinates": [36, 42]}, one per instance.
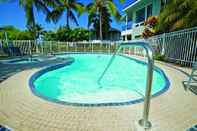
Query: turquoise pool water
{"type": "Point", "coordinates": [125, 80]}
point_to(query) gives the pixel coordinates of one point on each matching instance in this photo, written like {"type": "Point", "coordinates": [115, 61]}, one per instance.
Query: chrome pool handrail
{"type": "Point", "coordinates": [107, 67]}
{"type": "Point", "coordinates": [144, 122]}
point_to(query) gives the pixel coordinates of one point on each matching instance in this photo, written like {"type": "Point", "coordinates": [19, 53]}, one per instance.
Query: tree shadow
{"type": "Point", "coordinates": [7, 70]}
{"type": "Point", "coordinates": [193, 85]}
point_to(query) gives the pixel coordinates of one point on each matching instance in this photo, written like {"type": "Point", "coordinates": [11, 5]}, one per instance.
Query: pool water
{"type": "Point", "coordinates": [125, 81]}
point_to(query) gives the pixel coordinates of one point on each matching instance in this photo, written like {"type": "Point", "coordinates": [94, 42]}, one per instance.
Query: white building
{"type": "Point", "coordinates": [137, 12]}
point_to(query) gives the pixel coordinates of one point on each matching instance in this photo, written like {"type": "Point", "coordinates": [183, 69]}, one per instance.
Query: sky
{"type": "Point", "coordinates": [12, 14]}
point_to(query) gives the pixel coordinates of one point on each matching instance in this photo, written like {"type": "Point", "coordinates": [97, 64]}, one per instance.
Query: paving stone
{"type": "Point", "coordinates": [174, 110]}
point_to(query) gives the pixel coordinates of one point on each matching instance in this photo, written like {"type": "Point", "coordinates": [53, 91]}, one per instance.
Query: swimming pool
{"type": "Point", "coordinates": [76, 83]}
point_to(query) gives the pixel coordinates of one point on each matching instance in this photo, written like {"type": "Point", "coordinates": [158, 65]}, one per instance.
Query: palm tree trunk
{"type": "Point", "coordinates": [67, 18]}
{"type": "Point", "coordinates": [101, 30]}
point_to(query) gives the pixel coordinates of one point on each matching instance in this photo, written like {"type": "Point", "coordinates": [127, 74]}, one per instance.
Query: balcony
{"type": "Point", "coordinates": [138, 24]}
{"type": "Point", "coordinates": [134, 29]}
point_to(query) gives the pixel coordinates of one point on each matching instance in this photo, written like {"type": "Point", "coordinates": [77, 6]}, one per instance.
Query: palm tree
{"type": "Point", "coordinates": [68, 6]}
{"type": "Point", "coordinates": [36, 30]}
{"type": "Point", "coordinates": [177, 14]}
{"type": "Point", "coordinates": [29, 7]}
{"type": "Point", "coordinates": [97, 7]}
{"type": "Point", "coordinates": [95, 22]}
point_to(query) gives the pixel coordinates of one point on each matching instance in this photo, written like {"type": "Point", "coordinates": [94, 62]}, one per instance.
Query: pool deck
{"type": "Point", "coordinates": [174, 110]}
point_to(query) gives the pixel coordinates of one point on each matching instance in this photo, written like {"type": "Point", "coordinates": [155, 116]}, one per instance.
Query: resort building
{"type": "Point", "coordinates": [112, 35]}
{"type": "Point", "coordinates": [137, 12]}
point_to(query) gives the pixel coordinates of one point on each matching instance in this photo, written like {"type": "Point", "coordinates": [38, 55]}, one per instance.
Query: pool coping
{"type": "Point", "coordinates": [12, 61]}
{"type": "Point", "coordinates": [67, 63]}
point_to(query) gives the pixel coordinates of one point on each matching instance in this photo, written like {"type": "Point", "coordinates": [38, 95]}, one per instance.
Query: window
{"type": "Point", "coordinates": [149, 10]}
{"type": "Point", "coordinates": [128, 37]}
{"type": "Point", "coordinates": [140, 15]}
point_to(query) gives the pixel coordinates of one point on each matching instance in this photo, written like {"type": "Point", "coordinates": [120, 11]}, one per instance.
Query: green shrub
{"type": "Point", "coordinates": [67, 34]}
{"type": "Point", "coordinates": [159, 57]}
{"type": "Point", "coordinates": [15, 34]}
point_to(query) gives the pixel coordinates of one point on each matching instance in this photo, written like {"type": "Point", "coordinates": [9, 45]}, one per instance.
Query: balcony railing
{"type": "Point", "coordinates": [128, 26]}
{"type": "Point", "coordinates": [138, 24]}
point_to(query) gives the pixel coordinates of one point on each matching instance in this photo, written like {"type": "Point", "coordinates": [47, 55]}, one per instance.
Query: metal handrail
{"type": "Point", "coordinates": [107, 67]}
{"type": "Point", "coordinates": [144, 122]}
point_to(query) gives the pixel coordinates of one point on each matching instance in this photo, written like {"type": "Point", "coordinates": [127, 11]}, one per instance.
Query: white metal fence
{"type": "Point", "coordinates": [179, 47]}
{"type": "Point", "coordinates": [28, 47]}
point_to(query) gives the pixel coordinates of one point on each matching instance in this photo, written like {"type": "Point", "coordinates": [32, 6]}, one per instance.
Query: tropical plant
{"type": "Point", "coordinates": [30, 6]}
{"type": "Point", "coordinates": [15, 34]}
{"type": "Point", "coordinates": [50, 36]}
{"type": "Point", "coordinates": [80, 34]}
{"type": "Point", "coordinates": [67, 34]}
{"type": "Point", "coordinates": [36, 30]}
{"type": "Point", "coordinates": [177, 14]}
{"type": "Point", "coordinates": [150, 24]}
{"type": "Point", "coordinates": [106, 21]}
{"type": "Point", "coordinates": [68, 6]}
{"type": "Point", "coordinates": [97, 8]}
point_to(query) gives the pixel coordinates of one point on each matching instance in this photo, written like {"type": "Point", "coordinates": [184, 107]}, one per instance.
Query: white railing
{"type": "Point", "coordinates": [179, 47]}
{"type": "Point", "coordinates": [138, 24]}
{"type": "Point", "coordinates": [32, 47]}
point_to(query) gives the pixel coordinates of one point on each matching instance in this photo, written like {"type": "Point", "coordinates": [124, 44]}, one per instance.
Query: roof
{"type": "Point", "coordinates": [129, 3]}
{"type": "Point", "coordinates": [114, 29]}
{"type": "Point", "coordinates": [110, 30]}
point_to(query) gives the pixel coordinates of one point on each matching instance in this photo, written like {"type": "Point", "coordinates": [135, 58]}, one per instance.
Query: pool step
{"type": "Point", "coordinates": [5, 128]}
{"type": "Point", "coordinates": [193, 128]}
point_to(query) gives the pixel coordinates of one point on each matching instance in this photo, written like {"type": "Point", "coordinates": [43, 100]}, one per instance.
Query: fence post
{"type": "Point", "coordinates": [58, 46]}
{"type": "Point", "coordinates": [144, 53]}
{"type": "Point", "coordinates": [50, 47]}
{"type": "Point", "coordinates": [83, 46]}
{"type": "Point", "coordinates": [75, 46]}
{"type": "Point", "coordinates": [109, 45]}
{"type": "Point", "coordinates": [42, 48]}
{"type": "Point", "coordinates": [30, 53]}
{"type": "Point", "coordinates": [36, 47]}
{"type": "Point", "coordinates": [163, 44]}
{"type": "Point", "coordinates": [135, 51]}
{"type": "Point", "coordinates": [92, 47]}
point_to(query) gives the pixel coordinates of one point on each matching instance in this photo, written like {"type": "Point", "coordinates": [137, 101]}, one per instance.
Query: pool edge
{"type": "Point", "coordinates": [57, 66]}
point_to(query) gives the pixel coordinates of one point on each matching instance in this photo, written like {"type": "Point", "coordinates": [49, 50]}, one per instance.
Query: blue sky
{"type": "Point", "coordinates": [12, 14]}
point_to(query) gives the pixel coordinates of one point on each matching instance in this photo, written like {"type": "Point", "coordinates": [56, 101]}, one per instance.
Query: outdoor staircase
{"type": "Point", "coordinates": [193, 128]}
{"type": "Point", "coordinates": [4, 128]}
{"type": "Point", "coordinates": [191, 84]}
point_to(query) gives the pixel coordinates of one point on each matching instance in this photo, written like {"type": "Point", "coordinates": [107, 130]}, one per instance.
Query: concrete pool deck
{"type": "Point", "coordinates": [21, 110]}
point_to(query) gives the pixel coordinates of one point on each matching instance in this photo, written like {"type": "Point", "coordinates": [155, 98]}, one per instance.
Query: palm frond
{"type": "Point", "coordinates": [41, 6]}
{"type": "Point", "coordinates": [91, 8]}
{"type": "Point", "coordinates": [113, 10]}
{"type": "Point", "coordinates": [122, 1]}
{"type": "Point", "coordinates": [179, 24]}
{"type": "Point", "coordinates": [73, 18]}
{"type": "Point", "coordinates": [90, 19]}
{"type": "Point", "coordinates": [56, 14]}
{"type": "Point", "coordinates": [79, 8]}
